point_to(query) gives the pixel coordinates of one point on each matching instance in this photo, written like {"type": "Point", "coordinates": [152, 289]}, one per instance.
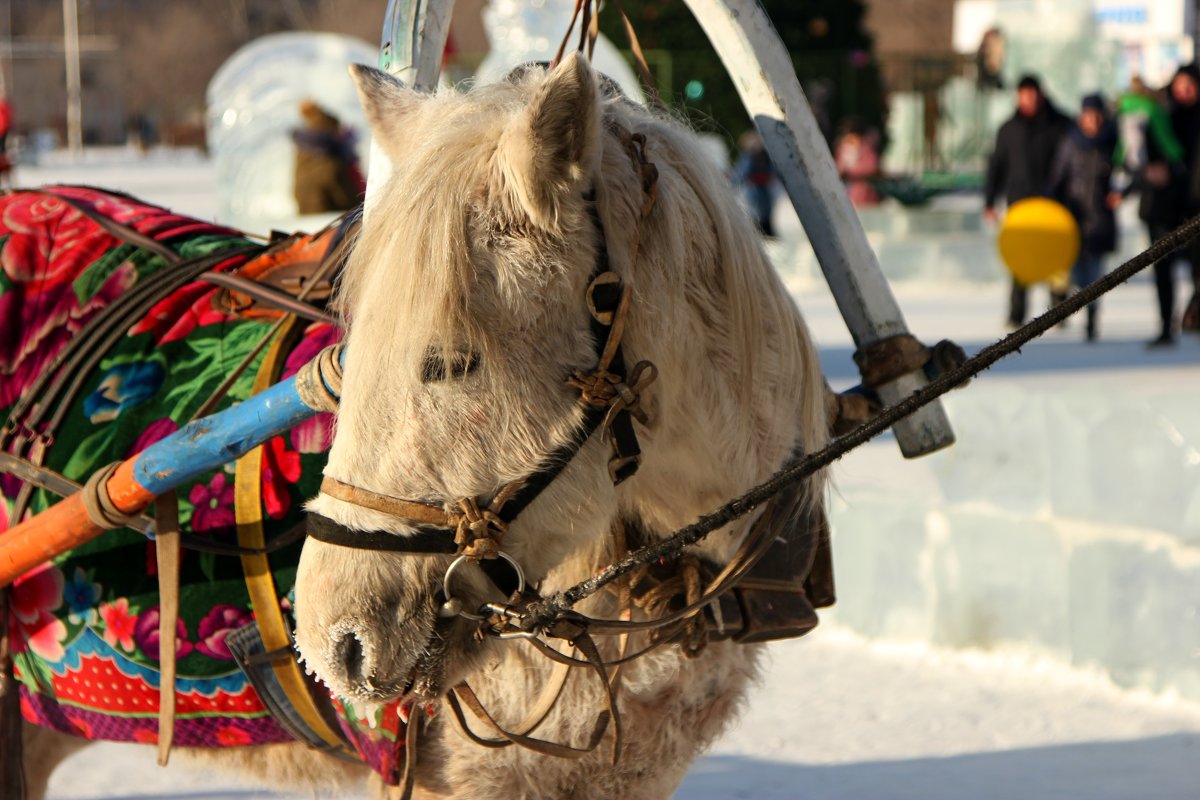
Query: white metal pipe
{"type": "Point", "coordinates": [414, 39]}
{"type": "Point", "coordinates": [762, 70]}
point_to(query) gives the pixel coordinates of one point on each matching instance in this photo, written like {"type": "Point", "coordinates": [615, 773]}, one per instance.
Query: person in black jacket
{"type": "Point", "coordinates": [1168, 197]}
{"type": "Point", "coordinates": [1020, 165]}
{"type": "Point", "coordinates": [1081, 179]}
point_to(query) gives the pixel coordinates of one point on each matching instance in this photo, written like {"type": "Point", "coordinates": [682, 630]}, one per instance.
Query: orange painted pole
{"type": "Point", "coordinates": [65, 525]}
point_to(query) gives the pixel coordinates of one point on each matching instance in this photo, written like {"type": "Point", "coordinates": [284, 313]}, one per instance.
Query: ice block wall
{"type": "Point", "coordinates": [1064, 524]}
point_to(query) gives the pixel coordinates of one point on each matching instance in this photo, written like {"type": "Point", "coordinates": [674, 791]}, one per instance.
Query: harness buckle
{"type": "Point", "coordinates": [622, 467]}
{"type": "Point", "coordinates": [604, 296]}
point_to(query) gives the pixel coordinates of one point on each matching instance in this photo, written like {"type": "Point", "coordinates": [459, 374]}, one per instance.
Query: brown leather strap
{"type": "Point", "coordinates": [639, 60]}
{"type": "Point", "coordinates": [406, 781]}
{"type": "Point", "coordinates": [423, 513]}
{"type": "Point", "coordinates": [463, 696]}
{"type": "Point", "coordinates": [118, 230]}
{"type": "Point", "coordinates": [562, 47]}
{"type": "Point", "coordinates": [37, 453]}
{"type": "Point", "coordinates": [665, 635]}
{"type": "Point", "coordinates": [268, 295]}
{"type": "Point", "coordinates": [166, 546]}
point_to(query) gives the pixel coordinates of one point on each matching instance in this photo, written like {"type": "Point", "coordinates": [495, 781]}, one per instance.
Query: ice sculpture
{"type": "Point", "coordinates": [253, 104]}
{"type": "Point", "coordinates": [1060, 42]}
{"type": "Point", "coordinates": [531, 30]}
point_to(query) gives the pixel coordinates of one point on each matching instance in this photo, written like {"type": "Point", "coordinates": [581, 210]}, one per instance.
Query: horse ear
{"type": "Point", "coordinates": [386, 101]}
{"type": "Point", "coordinates": [550, 148]}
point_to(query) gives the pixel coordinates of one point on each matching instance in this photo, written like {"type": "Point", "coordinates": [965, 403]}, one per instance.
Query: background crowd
{"type": "Point", "coordinates": [1144, 142]}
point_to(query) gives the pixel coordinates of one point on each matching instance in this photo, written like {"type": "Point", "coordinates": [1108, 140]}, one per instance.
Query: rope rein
{"type": "Point", "coordinates": [544, 613]}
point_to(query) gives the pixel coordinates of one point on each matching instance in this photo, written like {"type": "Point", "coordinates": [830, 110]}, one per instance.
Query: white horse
{"type": "Point", "coordinates": [466, 301]}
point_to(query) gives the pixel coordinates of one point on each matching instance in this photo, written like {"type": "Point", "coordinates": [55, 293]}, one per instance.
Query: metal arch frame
{"type": "Point", "coordinates": [414, 38]}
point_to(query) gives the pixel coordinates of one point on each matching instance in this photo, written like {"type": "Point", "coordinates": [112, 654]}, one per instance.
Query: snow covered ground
{"type": "Point", "coordinates": [1017, 616]}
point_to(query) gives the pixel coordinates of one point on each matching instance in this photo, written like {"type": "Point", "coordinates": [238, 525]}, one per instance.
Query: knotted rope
{"type": "Point", "coordinates": [101, 510]}
{"type": "Point", "coordinates": [319, 382]}
{"type": "Point", "coordinates": [478, 532]}
{"type": "Point", "coordinates": [603, 389]}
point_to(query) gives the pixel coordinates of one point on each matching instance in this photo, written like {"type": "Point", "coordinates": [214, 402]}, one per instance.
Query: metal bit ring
{"type": "Point", "coordinates": [452, 606]}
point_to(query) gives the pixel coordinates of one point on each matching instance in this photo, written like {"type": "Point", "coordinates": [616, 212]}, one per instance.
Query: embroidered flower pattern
{"type": "Point", "coordinates": [213, 506]}
{"type": "Point", "coordinates": [35, 596]}
{"type": "Point", "coordinates": [82, 595]}
{"type": "Point", "coordinates": [216, 625]}
{"type": "Point", "coordinates": [38, 327]}
{"type": "Point", "coordinates": [146, 634]}
{"type": "Point", "coordinates": [58, 270]}
{"type": "Point", "coordinates": [119, 623]}
{"type": "Point", "coordinates": [315, 434]}
{"type": "Point", "coordinates": [280, 467]}
{"type": "Point", "coordinates": [182, 312]}
{"type": "Point", "coordinates": [123, 387]}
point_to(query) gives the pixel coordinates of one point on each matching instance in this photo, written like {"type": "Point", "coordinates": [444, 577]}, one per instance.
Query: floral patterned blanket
{"type": "Point", "coordinates": [84, 628]}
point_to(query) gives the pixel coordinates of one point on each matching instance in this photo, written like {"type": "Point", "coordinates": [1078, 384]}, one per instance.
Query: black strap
{"type": "Point", "coordinates": [431, 541]}
{"type": "Point", "coordinates": [550, 469]}
{"type": "Point", "coordinates": [424, 541]}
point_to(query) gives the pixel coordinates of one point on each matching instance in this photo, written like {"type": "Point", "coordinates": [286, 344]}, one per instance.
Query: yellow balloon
{"type": "Point", "coordinates": [1039, 240]}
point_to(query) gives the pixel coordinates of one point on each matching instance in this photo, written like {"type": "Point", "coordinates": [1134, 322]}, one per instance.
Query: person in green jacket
{"type": "Point", "coordinates": [1143, 123]}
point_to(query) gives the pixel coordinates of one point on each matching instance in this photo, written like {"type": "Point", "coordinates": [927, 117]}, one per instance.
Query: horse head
{"type": "Point", "coordinates": [520, 240]}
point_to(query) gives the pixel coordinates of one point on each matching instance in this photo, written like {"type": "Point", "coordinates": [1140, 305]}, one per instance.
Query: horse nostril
{"type": "Point", "coordinates": [350, 654]}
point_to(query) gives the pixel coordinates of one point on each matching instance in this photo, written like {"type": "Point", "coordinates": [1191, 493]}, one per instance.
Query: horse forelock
{"type": "Point", "coordinates": [448, 230]}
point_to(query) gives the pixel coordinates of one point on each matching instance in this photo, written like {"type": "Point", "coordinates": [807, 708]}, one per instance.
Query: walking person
{"type": "Point", "coordinates": [1183, 102]}
{"type": "Point", "coordinates": [1081, 179]}
{"type": "Point", "coordinates": [1020, 167]}
{"type": "Point", "coordinates": [755, 173]}
{"type": "Point", "coordinates": [1166, 201]}
{"type": "Point", "coordinates": [856, 157]}
{"type": "Point", "coordinates": [327, 177]}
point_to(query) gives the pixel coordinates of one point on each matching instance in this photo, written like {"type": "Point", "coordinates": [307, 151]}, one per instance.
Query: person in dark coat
{"type": "Point", "coordinates": [1166, 201]}
{"type": "Point", "coordinates": [755, 173]}
{"type": "Point", "coordinates": [1081, 179]}
{"type": "Point", "coordinates": [1171, 196]}
{"type": "Point", "coordinates": [327, 177]}
{"type": "Point", "coordinates": [1020, 165]}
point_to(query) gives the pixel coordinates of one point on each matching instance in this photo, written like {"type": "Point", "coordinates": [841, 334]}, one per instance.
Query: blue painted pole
{"type": "Point", "coordinates": [211, 442]}
{"type": "Point", "coordinates": [203, 445]}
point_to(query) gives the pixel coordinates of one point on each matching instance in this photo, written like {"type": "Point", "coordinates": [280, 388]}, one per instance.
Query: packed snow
{"type": "Point", "coordinates": [1017, 616]}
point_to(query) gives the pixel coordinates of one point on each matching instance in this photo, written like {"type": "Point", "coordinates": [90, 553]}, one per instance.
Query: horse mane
{"type": "Point", "coordinates": [750, 297]}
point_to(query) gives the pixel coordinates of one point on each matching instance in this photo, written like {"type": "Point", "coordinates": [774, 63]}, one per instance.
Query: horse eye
{"type": "Point", "coordinates": [434, 367]}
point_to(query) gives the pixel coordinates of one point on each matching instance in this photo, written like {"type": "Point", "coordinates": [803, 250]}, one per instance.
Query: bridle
{"type": "Point", "coordinates": [472, 528]}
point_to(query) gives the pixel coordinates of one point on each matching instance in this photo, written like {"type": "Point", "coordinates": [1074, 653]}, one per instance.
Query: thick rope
{"type": "Point", "coordinates": [319, 382]}
{"type": "Point", "coordinates": [100, 508]}
{"type": "Point", "coordinates": [552, 608]}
